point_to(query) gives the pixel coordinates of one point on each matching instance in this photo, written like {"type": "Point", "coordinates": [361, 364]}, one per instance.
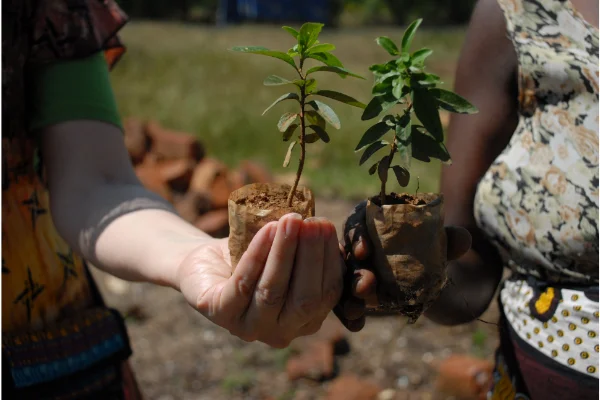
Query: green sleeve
{"type": "Point", "coordinates": [72, 90]}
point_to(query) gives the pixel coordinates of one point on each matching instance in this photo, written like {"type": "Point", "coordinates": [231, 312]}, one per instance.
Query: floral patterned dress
{"type": "Point", "coordinates": [538, 203]}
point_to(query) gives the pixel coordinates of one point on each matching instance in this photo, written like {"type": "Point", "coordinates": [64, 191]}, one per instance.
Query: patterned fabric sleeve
{"type": "Point", "coordinates": [71, 29]}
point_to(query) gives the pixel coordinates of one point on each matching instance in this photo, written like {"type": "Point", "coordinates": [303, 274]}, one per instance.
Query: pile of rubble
{"type": "Point", "coordinates": [175, 165]}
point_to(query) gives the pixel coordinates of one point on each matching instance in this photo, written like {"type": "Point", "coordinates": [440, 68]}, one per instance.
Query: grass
{"type": "Point", "coordinates": [185, 78]}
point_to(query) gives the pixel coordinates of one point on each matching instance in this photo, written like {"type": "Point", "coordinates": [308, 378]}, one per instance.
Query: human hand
{"type": "Point", "coordinates": [361, 280]}
{"type": "Point", "coordinates": [283, 287]}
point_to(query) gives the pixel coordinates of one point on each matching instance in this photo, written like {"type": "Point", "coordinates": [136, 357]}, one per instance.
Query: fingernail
{"type": "Point", "coordinates": [291, 228]}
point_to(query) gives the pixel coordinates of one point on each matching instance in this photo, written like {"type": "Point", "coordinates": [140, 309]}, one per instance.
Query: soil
{"type": "Point", "coordinates": [271, 201]}
{"type": "Point", "coordinates": [178, 354]}
{"type": "Point", "coordinates": [402, 198]}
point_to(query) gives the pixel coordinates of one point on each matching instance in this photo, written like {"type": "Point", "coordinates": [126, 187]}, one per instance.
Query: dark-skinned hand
{"type": "Point", "coordinates": [360, 285]}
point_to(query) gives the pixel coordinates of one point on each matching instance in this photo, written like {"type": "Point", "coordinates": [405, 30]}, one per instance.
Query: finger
{"type": "Point", "coordinates": [272, 287]}
{"type": "Point", "coordinates": [459, 241]}
{"type": "Point", "coordinates": [239, 289]}
{"type": "Point", "coordinates": [364, 287]}
{"type": "Point", "coordinates": [304, 298]}
{"type": "Point", "coordinates": [333, 268]}
{"type": "Point", "coordinates": [353, 308]}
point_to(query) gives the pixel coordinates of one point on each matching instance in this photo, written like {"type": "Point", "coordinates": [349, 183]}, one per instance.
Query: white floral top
{"type": "Point", "coordinates": [538, 202]}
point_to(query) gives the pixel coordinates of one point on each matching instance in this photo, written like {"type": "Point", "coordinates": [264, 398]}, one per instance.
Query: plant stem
{"type": "Point", "coordinates": [290, 198]}
{"type": "Point", "coordinates": [393, 148]}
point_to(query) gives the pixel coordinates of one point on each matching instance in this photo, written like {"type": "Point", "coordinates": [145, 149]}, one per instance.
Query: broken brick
{"type": "Point", "coordinates": [177, 173]}
{"type": "Point", "coordinates": [214, 222]}
{"type": "Point", "coordinates": [168, 144]}
{"type": "Point", "coordinates": [255, 173]}
{"type": "Point", "coordinates": [149, 175]}
{"type": "Point", "coordinates": [191, 205]}
{"type": "Point", "coordinates": [351, 387]}
{"type": "Point", "coordinates": [316, 362]}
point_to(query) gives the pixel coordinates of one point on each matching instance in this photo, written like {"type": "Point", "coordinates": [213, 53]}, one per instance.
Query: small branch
{"type": "Point", "coordinates": [290, 198]}
{"type": "Point", "coordinates": [393, 148]}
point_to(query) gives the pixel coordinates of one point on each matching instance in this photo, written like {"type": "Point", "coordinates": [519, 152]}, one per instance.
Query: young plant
{"type": "Point", "coordinates": [404, 81]}
{"type": "Point", "coordinates": [312, 115]}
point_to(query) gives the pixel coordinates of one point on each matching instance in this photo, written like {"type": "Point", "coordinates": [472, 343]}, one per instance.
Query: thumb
{"type": "Point", "coordinates": [459, 242]}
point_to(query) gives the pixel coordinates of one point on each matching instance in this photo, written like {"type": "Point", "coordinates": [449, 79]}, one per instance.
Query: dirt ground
{"type": "Point", "coordinates": [178, 354]}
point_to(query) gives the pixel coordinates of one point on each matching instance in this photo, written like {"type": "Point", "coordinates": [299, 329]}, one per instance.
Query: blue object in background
{"type": "Point", "coordinates": [275, 10]}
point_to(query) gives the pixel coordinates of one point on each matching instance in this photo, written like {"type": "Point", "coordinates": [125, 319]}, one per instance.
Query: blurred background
{"type": "Point", "coordinates": [195, 132]}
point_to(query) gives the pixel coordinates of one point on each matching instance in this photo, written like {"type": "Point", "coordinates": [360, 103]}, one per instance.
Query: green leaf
{"type": "Point", "coordinates": [326, 112]}
{"type": "Point", "coordinates": [373, 168]}
{"type": "Point", "coordinates": [425, 106]}
{"type": "Point", "coordinates": [327, 59]}
{"type": "Point", "coordinates": [321, 48]}
{"type": "Point", "coordinates": [341, 97]}
{"type": "Point", "coordinates": [286, 96]}
{"type": "Point", "coordinates": [388, 45]}
{"type": "Point", "coordinates": [381, 68]}
{"type": "Point", "coordinates": [286, 120]}
{"type": "Point", "coordinates": [404, 129]}
{"type": "Point", "coordinates": [382, 169]}
{"type": "Point", "coordinates": [289, 132]}
{"type": "Point", "coordinates": [309, 85]}
{"type": "Point", "coordinates": [321, 132]}
{"type": "Point", "coordinates": [372, 149]}
{"type": "Point", "coordinates": [314, 118]}
{"type": "Point", "coordinates": [337, 70]}
{"type": "Point", "coordinates": [405, 154]}
{"type": "Point", "coordinates": [409, 34]}
{"type": "Point", "coordinates": [425, 80]}
{"type": "Point", "coordinates": [402, 175]}
{"type": "Point", "coordinates": [419, 56]}
{"type": "Point", "coordinates": [309, 32]}
{"type": "Point", "coordinates": [452, 102]}
{"type": "Point", "coordinates": [372, 134]}
{"type": "Point", "coordinates": [377, 105]}
{"type": "Point", "coordinates": [288, 155]}
{"type": "Point", "coordinates": [381, 89]}
{"type": "Point", "coordinates": [274, 80]}
{"type": "Point", "coordinates": [425, 147]}
{"type": "Point", "coordinates": [266, 52]}
{"type": "Point", "coordinates": [291, 31]}
{"type": "Point", "coordinates": [397, 88]}
{"type": "Point", "coordinates": [311, 138]}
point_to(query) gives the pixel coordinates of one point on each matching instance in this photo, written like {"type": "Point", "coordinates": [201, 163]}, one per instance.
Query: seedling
{"type": "Point", "coordinates": [320, 114]}
{"type": "Point", "coordinates": [403, 81]}
{"type": "Point", "coordinates": [407, 230]}
{"type": "Point", "coordinates": [252, 206]}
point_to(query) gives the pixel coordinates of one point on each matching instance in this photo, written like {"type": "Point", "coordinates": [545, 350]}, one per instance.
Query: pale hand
{"type": "Point", "coordinates": [283, 287]}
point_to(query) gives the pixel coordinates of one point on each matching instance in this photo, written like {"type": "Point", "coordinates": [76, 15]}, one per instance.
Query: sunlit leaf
{"type": "Point", "coordinates": [308, 34]}
{"type": "Point", "coordinates": [452, 102]}
{"type": "Point", "coordinates": [337, 70]}
{"type": "Point", "coordinates": [425, 106]}
{"type": "Point", "coordinates": [286, 120]}
{"type": "Point", "coordinates": [327, 59]}
{"type": "Point", "coordinates": [419, 56]}
{"type": "Point", "coordinates": [372, 149]}
{"type": "Point", "coordinates": [288, 155]}
{"type": "Point", "coordinates": [321, 132]}
{"type": "Point", "coordinates": [326, 112]}
{"type": "Point", "coordinates": [372, 134]}
{"type": "Point", "coordinates": [321, 48]}
{"type": "Point", "coordinates": [266, 52]}
{"type": "Point", "coordinates": [341, 97]}
{"type": "Point", "coordinates": [274, 80]}
{"type": "Point", "coordinates": [291, 31]}
{"type": "Point", "coordinates": [286, 96]}
{"type": "Point", "coordinates": [314, 118]}
{"type": "Point", "coordinates": [409, 34]}
{"type": "Point", "coordinates": [388, 45]}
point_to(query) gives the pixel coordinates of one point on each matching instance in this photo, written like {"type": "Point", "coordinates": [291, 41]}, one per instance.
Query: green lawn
{"type": "Point", "coordinates": [185, 77]}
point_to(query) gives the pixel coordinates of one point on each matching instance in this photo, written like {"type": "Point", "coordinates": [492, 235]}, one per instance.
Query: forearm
{"type": "Point", "coordinates": [127, 231]}
{"type": "Point", "coordinates": [472, 283]}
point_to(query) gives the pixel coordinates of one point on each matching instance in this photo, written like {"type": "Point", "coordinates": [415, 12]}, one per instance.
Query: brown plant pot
{"type": "Point", "coordinates": [409, 246]}
{"type": "Point", "coordinates": [253, 206]}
